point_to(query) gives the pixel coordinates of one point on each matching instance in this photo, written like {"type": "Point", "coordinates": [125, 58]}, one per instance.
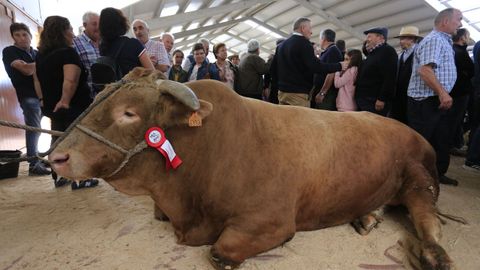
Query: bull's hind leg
{"type": "Point", "coordinates": [365, 224]}
{"type": "Point", "coordinates": [236, 243]}
{"type": "Point", "coordinates": [419, 197]}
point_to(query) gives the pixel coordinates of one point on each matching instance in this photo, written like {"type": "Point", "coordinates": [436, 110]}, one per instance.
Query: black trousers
{"type": "Point", "coordinates": [368, 104]}
{"type": "Point", "coordinates": [432, 123]}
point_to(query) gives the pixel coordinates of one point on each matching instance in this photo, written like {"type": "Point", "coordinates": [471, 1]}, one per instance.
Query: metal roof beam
{"type": "Point", "coordinates": [158, 9]}
{"type": "Point", "coordinates": [164, 22]}
{"type": "Point", "coordinates": [334, 20]}
{"type": "Point", "coordinates": [269, 27]}
{"type": "Point", "coordinates": [204, 29]}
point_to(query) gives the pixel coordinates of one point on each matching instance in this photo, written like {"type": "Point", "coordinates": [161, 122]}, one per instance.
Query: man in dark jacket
{"type": "Point", "coordinates": [409, 37]}
{"type": "Point", "coordinates": [461, 89]}
{"type": "Point", "coordinates": [375, 84]}
{"type": "Point", "coordinates": [294, 64]}
{"type": "Point", "coordinates": [323, 90]}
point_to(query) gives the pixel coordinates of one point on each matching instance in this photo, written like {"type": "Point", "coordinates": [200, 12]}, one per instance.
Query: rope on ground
{"type": "Point", "coordinates": [20, 159]}
{"type": "Point", "coordinates": [20, 126]}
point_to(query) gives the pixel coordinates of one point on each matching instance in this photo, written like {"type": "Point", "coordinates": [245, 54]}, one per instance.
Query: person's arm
{"type": "Point", "coordinates": [315, 65]}
{"type": "Point", "coordinates": [389, 73]}
{"type": "Point", "coordinates": [428, 76]}
{"type": "Point", "coordinates": [163, 63]}
{"type": "Point", "coordinates": [145, 60]}
{"type": "Point", "coordinates": [38, 88]}
{"type": "Point", "coordinates": [25, 68]}
{"type": "Point", "coordinates": [161, 67]}
{"type": "Point", "coordinates": [214, 72]}
{"type": "Point", "coordinates": [71, 75]}
{"type": "Point", "coordinates": [326, 85]}
{"type": "Point", "coordinates": [340, 81]}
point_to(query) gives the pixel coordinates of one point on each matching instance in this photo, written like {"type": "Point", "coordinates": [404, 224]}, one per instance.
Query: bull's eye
{"type": "Point", "coordinates": [129, 114]}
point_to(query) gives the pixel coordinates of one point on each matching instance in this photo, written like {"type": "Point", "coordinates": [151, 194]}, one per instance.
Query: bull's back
{"type": "Point", "coordinates": [342, 165]}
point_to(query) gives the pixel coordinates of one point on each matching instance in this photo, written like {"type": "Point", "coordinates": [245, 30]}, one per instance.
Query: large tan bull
{"type": "Point", "coordinates": [254, 173]}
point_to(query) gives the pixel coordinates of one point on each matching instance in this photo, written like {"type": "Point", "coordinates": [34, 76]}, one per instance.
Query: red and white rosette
{"type": "Point", "coordinates": [155, 138]}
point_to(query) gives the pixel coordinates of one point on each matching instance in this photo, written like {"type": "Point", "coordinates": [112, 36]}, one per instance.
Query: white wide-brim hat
{"type": "Point", "coordinates": [409, 31]}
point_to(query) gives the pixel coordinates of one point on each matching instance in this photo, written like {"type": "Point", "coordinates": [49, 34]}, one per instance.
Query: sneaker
{"type": "Point", "coordinates": [470, 166]}
{"type": "Point", "coordinates": [38, 169]}
{"type": "Point", "coordinates": [448, 181]}
{"type": "Point", "coordinates": [61, 181]}
{"type": "Point", "coordinates": [84, 184]}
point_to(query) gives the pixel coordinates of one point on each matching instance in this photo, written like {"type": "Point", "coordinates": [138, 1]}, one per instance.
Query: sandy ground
{"type": "Point", "coordinates": [42, 227]}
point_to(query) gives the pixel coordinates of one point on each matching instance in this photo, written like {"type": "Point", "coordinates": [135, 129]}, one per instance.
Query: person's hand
{"type": "Point", "coordinates": [61, 105]}
{"type": "Point", "coordinates": [319, 97]}
{"type": "Point", "coordinates": [344, 65]}
{"type": "Point", "coordinates": [379, 105]}
{"type": "Point", "coordinates": [445, 101]}
{"type": "Point", "coordinates": [266, 93]}
{"type": "Point", "coordinates": [154, 59]}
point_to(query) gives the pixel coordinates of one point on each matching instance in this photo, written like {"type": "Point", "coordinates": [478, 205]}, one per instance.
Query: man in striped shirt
{"type": "Point", "coordinates": [434, 74]}
{"type": "Point", "coordinates": [87, 43]}
{"type": "Point", "coordinates": [155, 49]}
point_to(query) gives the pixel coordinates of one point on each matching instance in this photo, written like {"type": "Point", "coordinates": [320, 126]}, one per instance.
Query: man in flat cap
{"type": "Point", "coordinates": [409, 37]}
{"type": "Point", "coordinates": [375, 85]}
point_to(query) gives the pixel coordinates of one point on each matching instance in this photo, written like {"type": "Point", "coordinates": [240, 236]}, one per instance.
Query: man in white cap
{"type": "Point", "coordinates": [409, 38]}
{"type": "Point", "coordinates": [251, 70]}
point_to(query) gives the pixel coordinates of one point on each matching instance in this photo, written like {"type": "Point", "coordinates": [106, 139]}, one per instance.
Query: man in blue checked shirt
{"type": "Point", "coordinates": [87, 43]}
{"type": "Point", "coordinates": [434, 74]}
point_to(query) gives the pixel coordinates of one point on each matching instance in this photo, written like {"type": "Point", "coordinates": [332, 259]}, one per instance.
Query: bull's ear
{"type": "Point", "coordinates": [194, 118]}
{"type": "Point", "coordinates": [205, 108]}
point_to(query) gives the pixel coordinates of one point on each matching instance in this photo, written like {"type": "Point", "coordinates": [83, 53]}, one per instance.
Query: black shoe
{"type": "Point", "coordinates": [448, 181]}
{"type": "Point", "coordinates": [470, 166]}
{"type": "Point", "coordinates": [459, 152]}
{"type": "Point", "coordinates": [84, 184]}
{"type": "Point", "coordinates": [38, 169]}
{"type": "Point", "coordinates": [61, 181]}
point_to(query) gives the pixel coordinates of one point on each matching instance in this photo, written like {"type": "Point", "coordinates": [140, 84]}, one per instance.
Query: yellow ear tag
{"type": "Point", "coordinates": [195, 120]}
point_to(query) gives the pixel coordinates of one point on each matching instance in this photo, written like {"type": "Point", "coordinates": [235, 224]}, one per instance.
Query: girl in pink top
{"type": "Point", "coordinates": [345, 82]}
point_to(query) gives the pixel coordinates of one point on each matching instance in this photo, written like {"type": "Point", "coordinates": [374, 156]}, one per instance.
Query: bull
{"type": "Point", "coordinates": [253, 173]}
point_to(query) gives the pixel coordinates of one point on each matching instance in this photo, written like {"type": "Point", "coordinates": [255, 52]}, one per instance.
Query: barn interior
{"type": "Point", "coordinates": [43, 227]}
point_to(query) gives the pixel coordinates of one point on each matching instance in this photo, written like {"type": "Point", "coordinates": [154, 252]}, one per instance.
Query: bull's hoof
{"type": "Point", "coordinates": [221, 263]}
{"type": "Point", "coordinates": [434, 257]}
{"type": "Point", "coordinates": [365, 224]}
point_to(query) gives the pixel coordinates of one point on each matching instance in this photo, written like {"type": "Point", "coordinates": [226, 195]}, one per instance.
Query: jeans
{"type": "Point", "coordinates": [32, 115]}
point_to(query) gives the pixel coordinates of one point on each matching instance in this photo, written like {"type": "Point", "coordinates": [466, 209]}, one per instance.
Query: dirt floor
{"type": "Point", "coordinates": [42, 227]}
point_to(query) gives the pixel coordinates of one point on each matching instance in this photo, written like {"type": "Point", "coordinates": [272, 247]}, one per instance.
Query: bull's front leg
{"type": "Point", "coordinates": [237, 243]}
{"type": "Point", "coordinates": [158, 214]}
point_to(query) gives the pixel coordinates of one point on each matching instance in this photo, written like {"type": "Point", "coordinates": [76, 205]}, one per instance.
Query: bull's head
{"type": "Point", "coordinates": [142, 101]}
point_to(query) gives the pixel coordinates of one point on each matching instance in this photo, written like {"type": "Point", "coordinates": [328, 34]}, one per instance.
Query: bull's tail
{"type": "Point", "coordinates": [441, 215]}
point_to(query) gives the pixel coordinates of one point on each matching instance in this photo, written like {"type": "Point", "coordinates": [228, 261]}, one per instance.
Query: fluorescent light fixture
{"type": "Point", "coordinates": [193, 6]}
{"type": "Point", "coordinates": [169, 10]}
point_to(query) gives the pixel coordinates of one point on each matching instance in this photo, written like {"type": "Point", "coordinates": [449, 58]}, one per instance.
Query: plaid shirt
{"type": "Point", "coordinates": [157, 49]}
{"type": "Point", "coordinates": [88, 53]}
{"type": "Point", "coordinates": [436, 49]}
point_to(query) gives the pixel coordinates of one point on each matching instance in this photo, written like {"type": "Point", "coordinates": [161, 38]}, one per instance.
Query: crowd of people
{"type": "Point", "coordinates": [432, 85]}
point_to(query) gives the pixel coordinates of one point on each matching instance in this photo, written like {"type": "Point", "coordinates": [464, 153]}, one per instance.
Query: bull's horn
{"type": "Point", "coordinates": [181, 92]}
